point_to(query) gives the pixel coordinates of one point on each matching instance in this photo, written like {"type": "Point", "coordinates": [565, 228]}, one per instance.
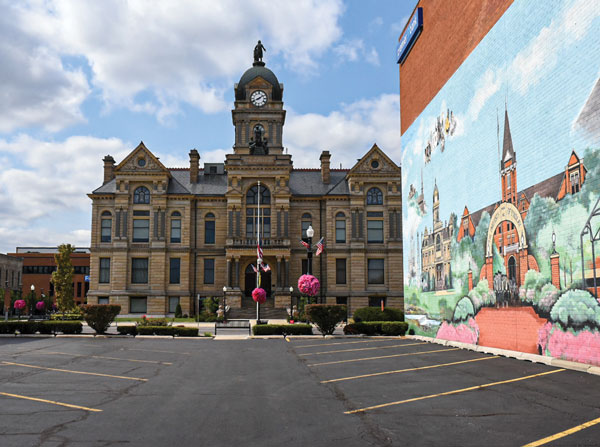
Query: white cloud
{"type": "Point", "coordinates": [40, 237]}
{"type": "Point", "coordinates": [154, 55]}
{"type": "Point", "coordinates": [397, 27]}
{"type": "Point", "coordinates": [347, 133]}
{"type": "Point", "coordinates": [486, 87]}
{"type": "Point", "coordinates": [355, 50]}
{"type": "Point", "coordinates": [37, 89]}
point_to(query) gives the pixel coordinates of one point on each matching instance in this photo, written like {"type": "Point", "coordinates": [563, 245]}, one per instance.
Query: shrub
{"type": "Point", "coordinates": [211, 304]}
{"type": "Point", "coordinates": [66, 327]}
{"type": "Point", "coordinates": [548, 296]}
{"type": "Point", "coordinates": [99, 316]}
{"type": "Point", "coordinates": [43, 327]}
{"type": "Point", "coordinates": [325, 316]}
{"type": "Point", "coordinates": [178, 312]}
{"type": "Point", "coordinates": [482, 296]}
{"type": "Point", "coordinates": [153, 321]}
{"type": "Point", "coordinates": [377, 328]}
{"type": "Point", "coordinates": [576, 308]}
{"type": "Point", "coordinates": [73, 316]}
{"type": "Point", "coordinates": [534, 283]}
{"type": "Point", "coordinates": [24, 327]}
{"type": "Point", "coordinates": [282, 329]}
{"type": "Point", "coordinates": [156, 330]}
{"type": "Point", "coordinates": [127, 330]}
{"type": "Point", "coordinates": [376, 314]}
{"type": "Point", "coordinates": [186, 331]}
{"type": "Point", "coordinates": [464, 309]}
{"type": "Point", "coordinates": [209, 318]}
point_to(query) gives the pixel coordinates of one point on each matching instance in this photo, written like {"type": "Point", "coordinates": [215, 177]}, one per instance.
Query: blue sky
{"type": "Point", "coordinates": [82, 79]}
{"type": "Point", "coordinates": [542, 63]}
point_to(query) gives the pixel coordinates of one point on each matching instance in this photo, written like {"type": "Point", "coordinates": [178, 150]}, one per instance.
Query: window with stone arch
{"type": "Point", "coordinates": [175, 227]}
{"type": "Point", "coordinates": [106, 226]}
{"type": "Point", "coordinates": [374, 196]}
{"type": "Point", "coordinates": [209, 228]}
{"type": "Point", "coordinates": [340, 228]}
{"type": "Point", "coordinates": [141, 195]}
{"type": "Point", "coordinates": [306, 222]}
{"type": "Point", "coordinates": [252, 200]}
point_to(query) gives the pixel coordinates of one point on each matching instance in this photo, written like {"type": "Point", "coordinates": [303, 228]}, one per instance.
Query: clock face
{"type": "Point", "coordinates": [258, 98]}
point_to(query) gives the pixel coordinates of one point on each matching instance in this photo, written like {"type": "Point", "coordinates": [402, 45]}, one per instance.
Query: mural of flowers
{"type": "Point", "coordinates": [259, 295]}
{"type": "Point", "coordinates": [466, 332]}
{"type": "Point", "coordinates": [308, 285]}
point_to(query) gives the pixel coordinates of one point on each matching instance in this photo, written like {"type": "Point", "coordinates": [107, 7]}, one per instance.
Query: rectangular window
{"type": "Point", "coordinates": [174, 270]}
{"type": "Point", "coordinates": [104, 271]}
{"type": "Point", "coordinates": [175, 230]}
{"type": "Point", "coordinates": [340, 231]}
{"type": "Point", "coordinates": [139, 270]}
{"type": "Point", "coordinates": [209, 271]}
{"type": "Point", "coordinates": [138, 305]}
{"type": "Point", "coordinates": [374, 231]}
{"type": "Point", "coordinates": [342, 300]}
{"type": "Point", "coordinates": [304, 266]}
{"type": "Point", "coordinates": [173, 302]}
{"type": "Point", "coordinates": [340, 271]}
{"type": "Point", "coordinates": [79, 288]}
{"type": "Point", "coordinates": [305, 225]}
{"type": "Point", "coordinates": [103, 300]}
{"type": "Point", "coordinates": [141, 230]}
{"type": "Point", "coordinates": [106, 230]}
{"type": "Point", "coordinates": [252, 222]}
{"type": "Point", "coordinates": [375, 274]}
{"type": "Point", "coordinates": [375, 301]}
{"type": "Point", "coordinates": [209, 232]}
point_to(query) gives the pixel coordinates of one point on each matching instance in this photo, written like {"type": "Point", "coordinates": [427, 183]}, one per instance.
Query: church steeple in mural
{"type": "Point", "coordinates": [508, 165]}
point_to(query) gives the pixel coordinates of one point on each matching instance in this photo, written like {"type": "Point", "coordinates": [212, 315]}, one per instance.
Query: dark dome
{"type": "Point", "coordinates": [254, 72]}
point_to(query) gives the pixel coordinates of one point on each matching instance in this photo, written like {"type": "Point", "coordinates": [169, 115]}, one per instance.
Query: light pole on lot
{"type": "Point", "coordinates": [224, 302]}
{"type": "Point", "coordinates": [32, 299]}
{"type": "Point", "coordinates": [309, 234]}
{"type": "Point", "coordinates": [7, 301]}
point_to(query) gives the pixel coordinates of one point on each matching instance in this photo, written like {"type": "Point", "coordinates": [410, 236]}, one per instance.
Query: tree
{"type": "Point", "coordinates": [62, 278]}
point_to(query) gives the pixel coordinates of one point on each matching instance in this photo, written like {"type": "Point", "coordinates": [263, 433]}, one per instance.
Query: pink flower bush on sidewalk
{"type": "Point", "coordinates": [259, 295]}
{"type": "Point", "coordinates": [308, 285]}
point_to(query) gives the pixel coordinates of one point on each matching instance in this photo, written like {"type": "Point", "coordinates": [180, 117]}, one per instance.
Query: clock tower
{"type": "Point", "coordinates": [258, 114]}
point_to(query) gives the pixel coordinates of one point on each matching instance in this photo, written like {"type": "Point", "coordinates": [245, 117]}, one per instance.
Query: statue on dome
{"type": "Point", "coordinates": [258, 52]}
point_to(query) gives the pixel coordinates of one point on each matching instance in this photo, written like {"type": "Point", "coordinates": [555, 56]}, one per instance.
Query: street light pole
{"type": "Point", "coordinates": [224, 303]}
{"type": "Point", "coordinates": [309, 233]}
{"type": "Point", "coordinates": [32, 299]}
{"type": "Point", "coordinates": [7, 301]}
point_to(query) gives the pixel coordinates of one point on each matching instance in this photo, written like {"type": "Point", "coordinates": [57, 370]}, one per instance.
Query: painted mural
{"type": "Point", "coordinates": [501, 181]}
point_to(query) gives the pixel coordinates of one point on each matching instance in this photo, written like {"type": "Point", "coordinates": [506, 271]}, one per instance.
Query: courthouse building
{"type": "Point", "coordinates": [166, 236]}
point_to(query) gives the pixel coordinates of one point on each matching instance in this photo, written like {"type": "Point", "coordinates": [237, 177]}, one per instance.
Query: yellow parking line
{"type": "Point", "coordinates": [562, 434]}
{"type": "Point", "coordinates": [340, 343]}
{"type": "Point", "coordinates": [74, 372]}
{"type": "Point", "coordinates": [409, 369]}
{"type": "Point", "coordinates": [105, 358]}
{"type": "Point", "coordinates": [447, 393]}
{"type": "Point", "coordinates": [361, 349]}
{"type": "Point", "coordinates": [62, 404]}
{"type": "Point", "coordinates": [383, 357]}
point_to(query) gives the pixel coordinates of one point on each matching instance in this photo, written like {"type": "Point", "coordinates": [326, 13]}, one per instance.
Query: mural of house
{"type": "Point", "coordinates": [508, 133]}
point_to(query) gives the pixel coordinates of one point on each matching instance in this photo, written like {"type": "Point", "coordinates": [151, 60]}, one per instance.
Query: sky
{"type": "Point", "coordinates": [524, 65]}
{"type": "Point", "coordinates": [82, 79]}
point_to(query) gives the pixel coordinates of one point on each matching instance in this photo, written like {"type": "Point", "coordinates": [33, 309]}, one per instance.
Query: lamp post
{"type": "Point", "coordinates": [32, 300]}
{"type": "Point", "coordinates": [309, 233]}
{"type": "Point", "coordinates": [291, 304]}
{"type": "Point", "coordinates": [7, 301]}
{"type": "Point", "coordinates": [553, 242]}
{"type": "Point", "coordinates": [224, 302]}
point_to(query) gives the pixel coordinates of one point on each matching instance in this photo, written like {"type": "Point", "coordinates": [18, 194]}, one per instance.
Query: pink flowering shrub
{"type": "Point", "coordinates": [463, 332]}
{"type": "Point", "coordinates": [40, 305]}
{"type": "Point", "coordinates": [20, 304]}
{"type": "Point", "coordinates": [308, 285]}
{"type": "Point", "coordinates": [578, 346]}
{"type": "Point", "coordinates": [259, 295]}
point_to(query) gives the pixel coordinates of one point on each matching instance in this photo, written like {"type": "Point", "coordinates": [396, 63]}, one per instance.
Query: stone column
{"type": "Point", "coordinates": [237, 273]}
{"type": "Point", "coordinates": [278, 285]}
{"type": "Point", "coordinates": [523, 265]}
{"type": "Point", "coordinates": [228, 281]}
{"type": "Point", "coordinates": [555, 268]}
{"type": "Point", "coordinates": [287, 272]}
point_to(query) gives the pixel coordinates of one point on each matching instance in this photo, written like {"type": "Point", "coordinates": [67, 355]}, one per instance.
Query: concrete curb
{"type": "Point", "coordinates": [535, 358]}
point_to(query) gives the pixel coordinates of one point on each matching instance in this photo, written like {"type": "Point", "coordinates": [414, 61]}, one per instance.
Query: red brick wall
{"type": "Point", "coordinates": [451, 30]}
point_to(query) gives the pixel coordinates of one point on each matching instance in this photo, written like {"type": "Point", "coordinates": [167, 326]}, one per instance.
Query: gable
{"type": "Point", "coordinates": [141, 160]}
{"type": "Point", "coordinates": [374, 162]}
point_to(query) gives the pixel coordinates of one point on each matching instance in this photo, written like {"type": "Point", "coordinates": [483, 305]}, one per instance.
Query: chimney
{"type": "Point", "coordinates": [194, 165]}
{"type": "Point", "coordinates": [109, 168]}
{"type": "Point", "coordinates": [325, 172]}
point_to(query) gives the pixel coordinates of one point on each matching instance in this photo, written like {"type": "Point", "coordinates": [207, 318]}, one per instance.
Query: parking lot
{"type": "Point", "coordinates": [351, 392]}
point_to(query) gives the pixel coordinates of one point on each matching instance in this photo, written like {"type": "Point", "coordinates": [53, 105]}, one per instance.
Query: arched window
{"type": "Point", "coordinates": [438, 243]}
{"type": "Point", "coordinates": [176, 227]}
{"type": "Point", "coordinates": [141, 195]}
{"type": "Point", "coordinates": [106, 227]}
{"type": "Point", "coordinates": [306, 222]}
{"type": "Point", "coordinates": [340, 228]}
{"type": "Point", "coordinates": [374, 197]}
{"type": "Point", "coordinates": [209, 228]}
{"type": "Point", "coordinates": [252, 211]}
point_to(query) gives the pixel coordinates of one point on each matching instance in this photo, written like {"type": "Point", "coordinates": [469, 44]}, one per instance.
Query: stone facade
{"type": "Point", "coordinates": [161, 234]}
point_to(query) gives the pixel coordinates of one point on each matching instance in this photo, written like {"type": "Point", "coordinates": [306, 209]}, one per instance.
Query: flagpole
{"type": "Point", "coordinates": [258, 260]}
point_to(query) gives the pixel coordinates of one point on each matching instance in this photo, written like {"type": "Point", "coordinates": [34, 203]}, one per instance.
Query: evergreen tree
{"type": "Point", "coordinates": [62, 278]}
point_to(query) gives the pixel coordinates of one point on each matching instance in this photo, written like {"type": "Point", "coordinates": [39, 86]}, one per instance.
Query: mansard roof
{"type": "Point", "coordinates": [309, 183]}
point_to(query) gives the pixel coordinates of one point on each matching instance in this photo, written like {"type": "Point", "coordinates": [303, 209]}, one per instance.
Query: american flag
{"type": "Point", "coordinates": [266, 268]}
{"type": "Point", "coordinates": [254, 268]}
{"type": "Point", "coordinates": [259, 252]}
{"type": "Point", "coordinates": [320, 246]}
{"type": "Point", "coordinates": [306, 245]}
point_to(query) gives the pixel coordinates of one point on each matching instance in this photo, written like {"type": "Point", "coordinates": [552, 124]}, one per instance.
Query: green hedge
{"type": "Point", "coordinates": [393, 328]}
{"type": "Point", "coordinates": [376, 314]}
{"type": "Point", "coordinates": [282, 329]}
{"type": "Point", "coordinates": [326, 316]}
{"type": "Point", "coordinates": [67, 317]}
{"type": "Point", "coordinates": [99, 316]}
{"type": "Point", "coordinates": [43, 327]}
{"type": "Point", "coordinates": [161, 330]}
{"type": "Point", "coordinates": [127, 330]}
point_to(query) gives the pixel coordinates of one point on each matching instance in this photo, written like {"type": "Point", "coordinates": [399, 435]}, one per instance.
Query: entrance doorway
{"type": "Point", "coordinates": [250, 283]}
{"type": "Point", "coordinates": [512, 268]}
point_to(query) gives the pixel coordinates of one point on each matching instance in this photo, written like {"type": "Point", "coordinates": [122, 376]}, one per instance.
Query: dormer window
{"type": "Point", "coordinates": [374, 197]}
{"type": "Point", "coordinates": [141, 195]}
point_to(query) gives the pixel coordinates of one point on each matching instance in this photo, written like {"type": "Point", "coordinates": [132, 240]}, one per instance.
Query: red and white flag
{"type": "Point", "coordinates": [266, 268]}
{"type": "Point", "coordinates": [306, 245]}
{"type": "Point", "coordinates": [259, 252]}
{"type": "Point", "coordinates": [254, 268]}
{"type": "Point", "coordinates": [320, 246]}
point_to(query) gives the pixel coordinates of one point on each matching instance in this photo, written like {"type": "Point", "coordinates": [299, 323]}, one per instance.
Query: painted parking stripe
{"type": "Point", "coordinates": [155, 350]}
{"type": "Point", "coordinates": [409, 369]}
{"type": "Point", "coordinates": [53, 402]}
{"type": "Point", "coordinates": [360, 349]}
{"type": "Point", "coordinates": [74, 372]}
{"type": "Point", "coordinates": [105, 358]}
{"type": "Point", "coordinates": [562, 434]}
{"type": "Point", "coordinates": [364, 359]}
{"type": "Point", "coordinates": [447, 393]}
{"type": "Point", "coordinates": [314, 345]}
